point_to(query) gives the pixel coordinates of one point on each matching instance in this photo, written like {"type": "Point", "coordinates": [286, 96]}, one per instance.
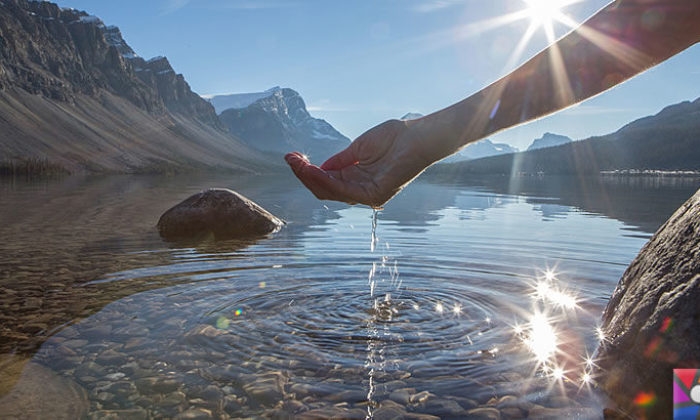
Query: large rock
{"type": "Point", "coordinates": [652, 322]}
{"type": "Point", "coordinates": [219, 213]}
{"type": "Point", "coordinates": [39, 393]}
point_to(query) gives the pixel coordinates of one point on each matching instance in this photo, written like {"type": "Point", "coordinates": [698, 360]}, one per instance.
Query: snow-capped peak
{"type": "Point", "coordinates": [113, 36]}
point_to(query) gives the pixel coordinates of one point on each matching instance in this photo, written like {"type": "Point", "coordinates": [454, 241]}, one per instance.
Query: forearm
{"type": "Point", "coordinates": [620, 41]}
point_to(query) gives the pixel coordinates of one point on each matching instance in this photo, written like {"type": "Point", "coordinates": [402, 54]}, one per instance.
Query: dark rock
{"type": "Point", "coordinates": [218, 213]}
{"type": "Point", "coordinates": [135, 414]}
{"type": "Point", "coordinates": [652, 321]}
{"type": "Point", "coordinates": [485, 413]}
{"type": "Point", "coordinates": [444, 408]}
{"type": "Point", "coordinates": [332, 413]}
{"type": "Point", "coordinates": [389, 410]}
{"type": "Point", "coordinates": [195, 413]}
{"type": "Point", "coordinates": [111, 358]}
{"type": "Point", "coordinates": [613, 414]}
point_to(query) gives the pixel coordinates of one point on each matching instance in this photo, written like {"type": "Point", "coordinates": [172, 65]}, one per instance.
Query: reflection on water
{"type": "Point", "coordinates": [494, 311]}
{"type": "Point", "coordinates": [638, 201]}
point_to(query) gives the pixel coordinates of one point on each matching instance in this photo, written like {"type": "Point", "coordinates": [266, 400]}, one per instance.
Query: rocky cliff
{"type": "Point", "coordinates": [279, 122]}
{"type": "Point", "coordinates": [75, 95]}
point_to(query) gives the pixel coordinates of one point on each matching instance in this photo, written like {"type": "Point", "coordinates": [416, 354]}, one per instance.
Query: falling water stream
{"type": "Point", "coordinates": [381, 313]}
{"type": "Point", "coordinates": [372, 331]}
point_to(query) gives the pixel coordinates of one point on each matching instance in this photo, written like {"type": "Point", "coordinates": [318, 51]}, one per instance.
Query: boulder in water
{"type": "Point", "coordinates": [39, 393]}
{"type": "Point", "coordinates": [652, 321]}
{"type": "Point", "coordinates": [219, 213]}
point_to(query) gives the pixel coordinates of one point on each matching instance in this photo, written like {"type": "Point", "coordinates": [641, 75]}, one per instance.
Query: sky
{"type": "Point", "coordinates": [358, 63]}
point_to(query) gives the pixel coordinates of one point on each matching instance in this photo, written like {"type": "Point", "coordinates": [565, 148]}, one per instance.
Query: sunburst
{"type": "Point", "coordinates": [545, 13]}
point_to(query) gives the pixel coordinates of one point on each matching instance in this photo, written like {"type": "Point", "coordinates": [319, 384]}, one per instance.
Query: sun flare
{"type": "Point", "coordinates": [545, 13]}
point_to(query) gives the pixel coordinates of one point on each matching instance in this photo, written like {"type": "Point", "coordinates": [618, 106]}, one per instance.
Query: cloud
{"type": "Point", "coordinates": [172, 6]}
{"type": "Point", "coordinates": [434, 5]}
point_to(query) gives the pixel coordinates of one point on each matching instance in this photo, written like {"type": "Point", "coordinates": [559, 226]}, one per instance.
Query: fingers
{"type": "Point", "coordinates": [341, 160]}
{"type": "Point", "coordinates": [321, 184]}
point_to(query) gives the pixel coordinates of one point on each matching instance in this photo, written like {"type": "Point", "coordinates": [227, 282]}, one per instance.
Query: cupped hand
{"type": "Point", "coordinates": [374, 168]}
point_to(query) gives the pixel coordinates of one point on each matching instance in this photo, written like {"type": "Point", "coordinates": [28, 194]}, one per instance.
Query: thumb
{"type": "Point", "coordinates": [341, 160]}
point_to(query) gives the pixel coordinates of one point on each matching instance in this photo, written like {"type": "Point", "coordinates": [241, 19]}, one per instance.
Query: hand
{"type": "Point", "coordinates": [374, 168]}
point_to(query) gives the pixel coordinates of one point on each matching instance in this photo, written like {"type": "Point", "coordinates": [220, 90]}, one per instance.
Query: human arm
{"type": "Point", "coordinates": [623, 39]}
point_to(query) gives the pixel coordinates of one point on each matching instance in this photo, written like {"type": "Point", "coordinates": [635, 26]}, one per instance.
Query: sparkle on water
{"type": "Point", "coordinates": [540, 331]}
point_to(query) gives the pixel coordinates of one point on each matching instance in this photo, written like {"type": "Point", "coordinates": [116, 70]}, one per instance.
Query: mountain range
{"type": "Point", "coordinates": [486, 148]}
{"type": "Point", "coordinates": [549, 140]}
{"type": "Point", "coordinates": [667, 141]}
{"type": "Point", "coordinates": [480, 149]}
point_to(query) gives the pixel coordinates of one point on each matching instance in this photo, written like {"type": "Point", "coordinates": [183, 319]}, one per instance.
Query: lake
{"type": "Point", "coordinates": [477, 299]}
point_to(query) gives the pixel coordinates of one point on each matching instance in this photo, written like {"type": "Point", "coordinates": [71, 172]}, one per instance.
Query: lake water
{"type": "Point", "coordinates": [474, 300]}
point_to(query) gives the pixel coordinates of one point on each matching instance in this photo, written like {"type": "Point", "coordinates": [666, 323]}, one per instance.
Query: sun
{"type": "Point", "coordinates": [544, 13]}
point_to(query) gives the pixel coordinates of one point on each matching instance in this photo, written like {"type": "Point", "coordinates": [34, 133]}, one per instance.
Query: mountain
{"type": "Point", "coordinates": [411, 116]}
{"type": "Point", "coordinates": [277, 121]}
{"type": "Point", "coordinates": [75, 97]}
{"type": "Point", "coordinates": [480, 149]}
{"type": "Point", "coordinates": [238, 100]}
{"type": "Point", "coordinates": [549, 140]}
{"type": "Point", "coordinates": [667, 141]}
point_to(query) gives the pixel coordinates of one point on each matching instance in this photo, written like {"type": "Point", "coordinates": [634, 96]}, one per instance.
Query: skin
{"type": "Point", "coordinates": [621, 40]}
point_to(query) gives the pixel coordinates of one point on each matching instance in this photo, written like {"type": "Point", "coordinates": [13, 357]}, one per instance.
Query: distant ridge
{"type": "Point", "coordinates": [480, 149]}
{"type": "Point", "coordinates": [667, 141]}
{"type": "Point", "coordinates": [549, 140]}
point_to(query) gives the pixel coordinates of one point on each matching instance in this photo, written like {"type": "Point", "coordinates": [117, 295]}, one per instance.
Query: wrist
{"type": "Point", "coordinates": [445, 132]}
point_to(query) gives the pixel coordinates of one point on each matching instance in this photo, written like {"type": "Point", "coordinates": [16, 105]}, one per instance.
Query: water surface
{"type": "Point", "coordinates": [464, 300]}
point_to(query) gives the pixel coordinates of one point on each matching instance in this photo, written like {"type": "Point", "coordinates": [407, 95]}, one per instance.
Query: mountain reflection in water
{"type": "Point", "coordinates": [486, 297]}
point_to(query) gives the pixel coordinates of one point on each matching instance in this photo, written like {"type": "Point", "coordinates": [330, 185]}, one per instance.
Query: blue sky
{"type": "Point", "coordinates": [358, 63]}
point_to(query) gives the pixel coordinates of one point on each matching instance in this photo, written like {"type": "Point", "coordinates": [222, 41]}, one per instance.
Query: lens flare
{"type": "Point", "coordinates": [545, 290]}
{"type": "Point", "coordinates": [586, 378]}
{"type": "Point", "coordinates": [541, 339]}
{"type": "Point", "coordinates": [645, 399]}
{"type": "Point", "coordinates": [556, 350]}
{"type": "Point", "coordinates": [600, 334]}
{"type": "Point", "coordinates": [439, 308]}
{"type": "Point", "coordinates": [558, 373]}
